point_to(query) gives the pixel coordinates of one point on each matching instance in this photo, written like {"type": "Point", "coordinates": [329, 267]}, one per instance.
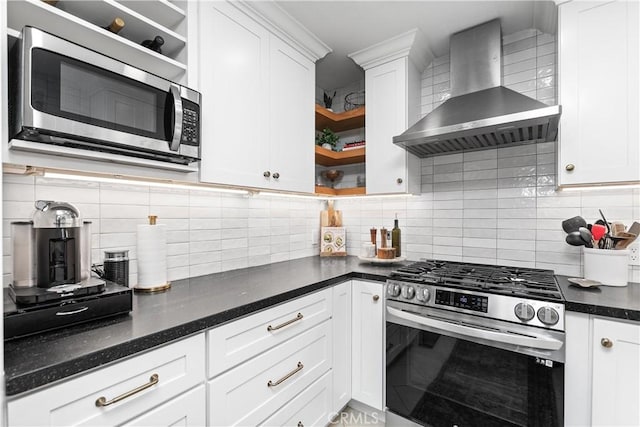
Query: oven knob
{"type": "Point", "coordinates": [423, 294]}
{"type": "Point", "coordinates": [393, 290]}
{"type": "Point", "coordinates": [524, 312]}
{"type": "Point", "coordinates": [548, 316]}
{"type": "Point", "coordinates": [408, 292]}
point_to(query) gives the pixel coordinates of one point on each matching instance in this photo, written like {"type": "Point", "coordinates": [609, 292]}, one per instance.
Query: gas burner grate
{"type": "Point", "coordinates": [515, 281]}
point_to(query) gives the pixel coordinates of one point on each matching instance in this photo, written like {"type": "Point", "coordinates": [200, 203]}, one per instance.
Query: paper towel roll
{"type": "Point", "coordinates": [152, 256]}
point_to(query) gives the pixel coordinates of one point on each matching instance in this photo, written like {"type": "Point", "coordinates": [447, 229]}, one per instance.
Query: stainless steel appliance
{"type": "Point", "coordinates": [52, 284]}
{"type": "Point", "coordinates": [480, 113]}
{"type": "Point", "coordinates": [472, 344]}
{"type": "Point", "coordinates": [70, 100]}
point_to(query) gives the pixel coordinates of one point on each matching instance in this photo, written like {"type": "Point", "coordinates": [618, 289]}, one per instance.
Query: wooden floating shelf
{"type": "Point", "coordinates": [326, 157]}
{"type": "Point", "coordinates": [354, 191]}
{"type": "Point", "coordinates": [348, 120]}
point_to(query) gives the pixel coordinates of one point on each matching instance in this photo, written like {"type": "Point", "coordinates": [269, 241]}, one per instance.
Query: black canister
{"type": "Point", "coordinates": [116, 267]}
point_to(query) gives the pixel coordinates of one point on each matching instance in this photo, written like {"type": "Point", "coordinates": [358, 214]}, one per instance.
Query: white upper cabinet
{"type": "Point", "coordinates": [258, 93]}
{"type": "Point", "coordinates": [233, 80]}
{"type": "Point", "coordinates": [392, 86]}
{"type": "Point", "coordinates": [599, 86]}
{"type": "Point", "coordinates": [292, 117]}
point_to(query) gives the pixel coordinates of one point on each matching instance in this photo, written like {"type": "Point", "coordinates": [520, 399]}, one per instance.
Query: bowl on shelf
{"type": "Point", "coordinates": [332, 175]}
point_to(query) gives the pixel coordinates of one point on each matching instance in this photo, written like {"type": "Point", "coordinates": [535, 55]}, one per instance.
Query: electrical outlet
{"type": "Point", "coordinates": [634, 256]}
{"type": "Point", "coordinates": [315, 237]}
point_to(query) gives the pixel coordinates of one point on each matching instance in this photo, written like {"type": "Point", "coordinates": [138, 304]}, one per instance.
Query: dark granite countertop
{"type": "Point", "coordinates": [190, 306]}
{"type": "Point", "coordinates": [194, 305]}
{"type": "Point", "coordinates": [610, 301]}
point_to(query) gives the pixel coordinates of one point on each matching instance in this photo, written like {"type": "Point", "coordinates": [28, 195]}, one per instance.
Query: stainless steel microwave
{"type": "Point", "coordinates": [68, 99]}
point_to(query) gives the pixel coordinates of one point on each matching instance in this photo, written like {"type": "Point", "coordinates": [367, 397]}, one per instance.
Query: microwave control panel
{"type": "Point", "coordinates": [190, 123]}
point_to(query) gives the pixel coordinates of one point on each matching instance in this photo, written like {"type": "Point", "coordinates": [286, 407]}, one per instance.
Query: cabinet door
{"type": "Point", "coordinates": [189, 409]}
{"type": "Point", "coordinates": [234, 55]}
{"type": "Point", "coordinates": [367, 368]}
{"type": "Point", "coordinates": [616, 373]}
{"type": "Point", "coordinates": [291, 112]}
{"type": "Point", "coordinates": [599, 84]}
{"type": "Point", "coordinates": [389, 167]}
{"type": "Point", "coordinates": [341, 345]}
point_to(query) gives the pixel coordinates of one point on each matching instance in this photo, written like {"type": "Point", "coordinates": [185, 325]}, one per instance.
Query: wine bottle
{"type": "Point", "coordinates": [154, 44]}
{"type": "Point", "coordinates": [116, 25]}
{"type": "Point", "coordinates": [395, 236]}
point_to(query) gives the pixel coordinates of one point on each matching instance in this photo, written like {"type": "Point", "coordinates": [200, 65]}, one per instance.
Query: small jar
{"type": "Point", "coordinates": [116, 267]}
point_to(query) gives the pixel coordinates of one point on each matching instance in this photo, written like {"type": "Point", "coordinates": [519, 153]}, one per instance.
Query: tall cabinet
{"type": "Point", "coordinates": [392, 86]}
{"type": "Point", "coordinates": [598, 91]}
{"type": "Point", "coordinates": [258, 90]}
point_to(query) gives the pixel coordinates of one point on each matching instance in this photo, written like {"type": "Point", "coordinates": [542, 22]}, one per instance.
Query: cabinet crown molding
{"type": "Point", "coordinates": [412, 44]}
{"type": "Point", "coordinates": [279, 22]}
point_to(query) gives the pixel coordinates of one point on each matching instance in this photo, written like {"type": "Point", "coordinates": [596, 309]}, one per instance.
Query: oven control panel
{"type": "Point", "coordinates": [460, 300]}
{"type": "Point", "coordinates": [544, 314]}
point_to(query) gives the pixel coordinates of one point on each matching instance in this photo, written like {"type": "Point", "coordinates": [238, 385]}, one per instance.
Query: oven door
{"type": "Point", "coordinates": [70, 91]}
{"type": "Point", "coordinates": [440, 373]}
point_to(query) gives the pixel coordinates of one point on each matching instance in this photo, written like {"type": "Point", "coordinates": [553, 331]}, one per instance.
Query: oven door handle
{"type": "Point", "coordinates": [544, 343]}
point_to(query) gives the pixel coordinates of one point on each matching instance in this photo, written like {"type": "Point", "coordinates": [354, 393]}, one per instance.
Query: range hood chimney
{"type": "Point", "coordinates": [480, 113]}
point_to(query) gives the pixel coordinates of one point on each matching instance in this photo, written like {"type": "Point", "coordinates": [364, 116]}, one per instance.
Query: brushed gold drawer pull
{"type": "Point", "coordinates": [102, 401]}
{"type": "Point", "coordinates": [299, 316]}
{"type": "Point", "coordinates": [286, 377]}
{"type": "Point", "coordinates": [606, 342]}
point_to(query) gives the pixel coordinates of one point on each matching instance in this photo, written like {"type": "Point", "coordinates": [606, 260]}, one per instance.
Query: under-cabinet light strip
{"type": "Point", "coordinates": [599, 187]}
{"type": "Point", "coordinates": [126, 181]}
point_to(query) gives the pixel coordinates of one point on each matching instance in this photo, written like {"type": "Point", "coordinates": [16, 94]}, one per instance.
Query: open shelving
{"type": "Point", "coordinates": [339, 122]}
{"type": "Point", "coordinates": [82, 22]}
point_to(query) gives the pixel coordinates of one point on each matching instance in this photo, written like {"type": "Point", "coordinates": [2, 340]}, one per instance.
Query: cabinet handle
{"type": "Point", "coordinates": [570, 167]}
{"type": "Point", "coordinates": [299, 316]}
{"type": "Point", "coordinates": [276, 175]}
{"type": "Point", "coordinates": [286, 377]}
{"type": "Point", "coordinates": [376, 297]}
{"type": "Point", "coordinates": [399, 180]}
{"type": "Point", "coordinates": [300, 424]}
{"type": "Point", "coordinates": [606, 342]}
{"type": "Point", "coordinates": [266, 174]}
{"type": "Point", "coordinates": [102, 401]}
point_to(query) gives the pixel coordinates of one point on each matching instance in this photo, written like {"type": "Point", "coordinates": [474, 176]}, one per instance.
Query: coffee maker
{"type": "Point", "coordinates": [52, 255]}
{"type": "Point", "coordinates": [52, 283]}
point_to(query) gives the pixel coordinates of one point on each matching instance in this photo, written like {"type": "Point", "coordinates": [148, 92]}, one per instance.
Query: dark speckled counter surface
{"type": "Point", "coordinates": [190, 306]}
{"type": "Point", "coordinates": [193, 305]}
{"type": "Point", "coordinates": [610, 301]}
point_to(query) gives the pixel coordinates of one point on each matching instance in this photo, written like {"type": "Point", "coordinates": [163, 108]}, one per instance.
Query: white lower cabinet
{"type": "Point", "coordinates": [367, 350]}
{"type": "Point", "coordinates": [95, 399]}
{"type": "Point", "coordinates": [251, 392]}
{"type": "Point", "coordinates": [341, 321]}
{"type": "Point", "coordinates": [312, 407]}
{"type": "Point", "coordinates": [615, 399]}
{"type": "Point", "coordinates": [186, 410]}
{"type": "Point", "coordinates": [602, 371]}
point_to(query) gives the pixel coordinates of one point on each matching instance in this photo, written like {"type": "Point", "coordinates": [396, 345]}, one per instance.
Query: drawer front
{"type": "Point", "coordinates": [312, 407]}
{"type": "Point", "coordinates": [189, 409]}
{"type": "Point", "coordinates": [240, 340]}
{"type": "Point", "coordinates": [178, 366]}
{"type": "Point", "coordinates": [242, 396]}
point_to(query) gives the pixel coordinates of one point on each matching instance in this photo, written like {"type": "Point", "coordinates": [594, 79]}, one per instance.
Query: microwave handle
{"type": "Point", "coordinates": [174, 145]}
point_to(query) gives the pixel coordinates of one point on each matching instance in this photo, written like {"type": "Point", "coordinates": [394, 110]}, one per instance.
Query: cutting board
{"type": "Point", "coordinates": [330, 217]}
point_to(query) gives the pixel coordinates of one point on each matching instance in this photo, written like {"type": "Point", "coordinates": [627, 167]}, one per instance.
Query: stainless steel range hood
{"type": "Point", "coordinates": [480, 113]}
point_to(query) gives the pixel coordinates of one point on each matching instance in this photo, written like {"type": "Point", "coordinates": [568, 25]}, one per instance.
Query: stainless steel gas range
{"type": "Point", "coordinates": [474, 345]}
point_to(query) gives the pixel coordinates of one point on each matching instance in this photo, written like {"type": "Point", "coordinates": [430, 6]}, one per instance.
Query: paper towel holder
{"type": "Point", "coordinates": [154, 289]}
